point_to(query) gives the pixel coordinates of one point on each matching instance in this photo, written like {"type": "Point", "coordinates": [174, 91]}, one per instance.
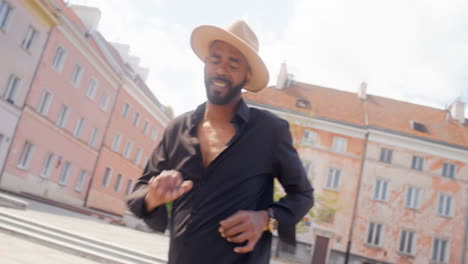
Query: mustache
{"type": "Point", "coordinates": [222, 79]}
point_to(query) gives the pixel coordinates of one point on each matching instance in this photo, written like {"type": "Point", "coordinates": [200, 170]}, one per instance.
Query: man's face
{"type": "Point", "coordinates": [226, 72]}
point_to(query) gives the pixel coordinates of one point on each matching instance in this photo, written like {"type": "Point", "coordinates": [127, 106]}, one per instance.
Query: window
{"type": "Point", "coordinates": [91, 92]}
{"type": "Point", "coordinates": [81, 180]}
{"type": "Point", "coordinates": [308, 167]}
{"type": "Point", "coordinates": [116, 143]}
{"type": "Point", "coordinates": [127, 149]}
{"type": "Point", "coordinates": [381, 189]}
{"type": "Point", "coordinates": [154, 134]}
{"type": "Point", "coordinates": [413, 198]}
{"type": "Point", "coordinates": [92, 138]}
{"type": "Point", "coordinates": [79, 127]}
{"type": "Point", "coordinates": [138, 156]}
{"type": "Point", "coordinates": [12, 88]}
{"type": "Point", "coordinates": [58, 58]}
{"type": "Point", "coordinates": [104, 101]}
{"type": "Point", "coordinates": [65, 173]}
{"type": "Point", "coordinates": [145, 127]}
{"type": "Point", "coordinates": [76, 75]}
{"type": "Point", "coordinates": [417, 163]}
{"type": "Point", "coordinates": [129, 187]}
{"type": "Point", "coordinates": [136, 118]}
{"type": "Point", "coordinates": [309, 138]}
{"type": "Point", "coordinates": [63, 116]}
{"type": "Point", "coordinates": [448, 170]}
{"type": "Point", "coordinates": [440, 250]}
{"type": "Point", "coordinates": [45, 172]}
{"type": "Point", "coordinates": [407, 241]}
{"type": "Point", "coordinates": [107, 177]}
{"type": "Point", "coordinates": [386, 155]}
{"type": "Point", "coordinates": [5, 12]}
{"type": "Point", "coordinates": [44, 104]}
{"type": "Point", "coordinates": [374, 235]}
{"type": "Point", "coordinates": [339, 144]}
{"type": "Point", "coordinates": [445, 205]}
{"type": "Point", "coordinates": [333, 178]}
{"type": "Point", "coordinates": [26, 155]}
{"type": "Point", "coordinates": [118, 182]}
{"type": "Point", "coordinates": [29, 38]}
{"type": "Point", "coordinates": [125, 108]}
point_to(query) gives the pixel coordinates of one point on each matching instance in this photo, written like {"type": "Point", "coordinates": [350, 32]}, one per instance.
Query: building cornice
{"type": "Point", "coordinates": [143, 99]}
{"type": "Point", "coordinates": [91, 55]}
{"type": "Point", "coordinates": [38, 8]}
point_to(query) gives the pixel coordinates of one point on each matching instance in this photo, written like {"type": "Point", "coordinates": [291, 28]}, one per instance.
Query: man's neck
{"type": "Point", "coordinates": [221, 113]}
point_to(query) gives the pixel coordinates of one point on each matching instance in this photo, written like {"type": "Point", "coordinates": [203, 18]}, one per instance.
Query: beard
{"type": "Point", "coordinates": [216, 98]}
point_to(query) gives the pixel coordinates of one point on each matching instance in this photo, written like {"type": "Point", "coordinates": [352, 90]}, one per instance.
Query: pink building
{"type": "Point", "coordinates": [24, 29]}
{"type": "Point", "coordinates": [137, 123]}
{"type": "Point", "coordinates": [60, 131]}
{"type": "Point", "coordinates": [390, 176]}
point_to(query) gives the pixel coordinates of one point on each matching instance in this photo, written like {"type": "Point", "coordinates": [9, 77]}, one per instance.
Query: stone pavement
{"type": "Point", "coordinates": [18, 250]}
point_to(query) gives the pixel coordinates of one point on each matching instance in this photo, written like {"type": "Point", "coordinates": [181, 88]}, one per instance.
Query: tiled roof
{"type": "Point", "coordinates": [382, 113]}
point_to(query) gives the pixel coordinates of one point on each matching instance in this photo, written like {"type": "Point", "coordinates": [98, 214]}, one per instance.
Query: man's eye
{"type": "Point", "coordinates": [234, 66]}
{"type": "Point", "coordinates": [213, 60]}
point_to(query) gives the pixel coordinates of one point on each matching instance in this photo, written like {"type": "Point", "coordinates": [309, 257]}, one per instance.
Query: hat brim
{"type": "Point", "coordinates": [203, 36]}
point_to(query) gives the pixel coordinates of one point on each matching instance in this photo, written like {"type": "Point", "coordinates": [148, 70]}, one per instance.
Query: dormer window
{"type": "Point", "coordinates": [418, 126]}
{"type": "Point", "coordinates": [303, 103]}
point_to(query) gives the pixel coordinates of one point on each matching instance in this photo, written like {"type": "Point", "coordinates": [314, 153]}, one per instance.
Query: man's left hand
{"type": "Point", "coordinates": [244, 226]}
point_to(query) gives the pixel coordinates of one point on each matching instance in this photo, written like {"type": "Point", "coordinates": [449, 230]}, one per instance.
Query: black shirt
{"type": "Point", "coordinates": [239, 178]}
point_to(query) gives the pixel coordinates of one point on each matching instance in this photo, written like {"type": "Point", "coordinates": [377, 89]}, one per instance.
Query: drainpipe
{"type": "Point", "coordinates": [101, 147]}
{"type": "Point", "coordinates": [353, 218]}
{"type": "Point", "coordinates": [361, 172]}
{"type": "Point", "coordinates": [465, 238]}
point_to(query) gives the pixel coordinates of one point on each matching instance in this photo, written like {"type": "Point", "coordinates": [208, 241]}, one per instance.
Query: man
{"type": "Point", "coordinates": [217, 163]}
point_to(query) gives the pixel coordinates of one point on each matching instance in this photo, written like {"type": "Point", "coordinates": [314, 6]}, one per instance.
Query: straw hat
{"type": "Point", "coordinates": [239, 35]}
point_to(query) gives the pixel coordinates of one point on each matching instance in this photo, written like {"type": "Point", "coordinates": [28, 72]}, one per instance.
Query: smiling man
{"type": "Point", "coordinates": [217, 163]}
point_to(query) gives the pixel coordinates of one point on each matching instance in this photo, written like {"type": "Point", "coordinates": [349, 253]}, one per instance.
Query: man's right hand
{"type": "Point", "coordinates": [164, 188]}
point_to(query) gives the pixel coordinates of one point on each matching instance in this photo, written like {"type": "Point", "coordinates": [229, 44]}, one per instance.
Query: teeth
{"type": "Point", "coordinates": [219, 83]}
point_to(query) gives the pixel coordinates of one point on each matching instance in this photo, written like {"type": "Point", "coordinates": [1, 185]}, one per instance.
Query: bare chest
{"type": "Point", "coordinates": [213, 139]}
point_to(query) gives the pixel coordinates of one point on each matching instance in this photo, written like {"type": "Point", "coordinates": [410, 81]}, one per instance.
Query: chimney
{"type": "Point", "coordinates": [362, 94]}
{"type": "Point", "coordinates": [90, 16]}
{"type": "Point", "coordinates": [457, 111]}
{"type": "Point", "coordinates": [282, 77]}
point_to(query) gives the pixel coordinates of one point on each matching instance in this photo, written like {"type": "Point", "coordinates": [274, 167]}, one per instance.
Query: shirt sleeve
{"type": "Point", "coordinates": [156, 219]}
{"type": "Point", "coordinates": [298, 200]}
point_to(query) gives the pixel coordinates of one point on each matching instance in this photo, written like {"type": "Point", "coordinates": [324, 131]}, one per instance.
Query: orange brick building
{"type": "Point", "coordinates": [391, 175]}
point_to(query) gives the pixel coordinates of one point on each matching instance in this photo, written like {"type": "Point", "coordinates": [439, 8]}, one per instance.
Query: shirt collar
{"type": "Point", "coordinates": [242, 114]}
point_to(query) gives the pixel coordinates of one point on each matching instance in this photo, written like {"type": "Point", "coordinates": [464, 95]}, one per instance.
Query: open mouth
{"type": "Point", "coordinates": [219, 83]}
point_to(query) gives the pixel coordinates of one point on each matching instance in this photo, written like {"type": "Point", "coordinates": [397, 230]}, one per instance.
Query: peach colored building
{"type": "Point", "coordinates": [137, 123]}
{"type": "Point", "coordinates": [60, 132]}
{"type": "Point", "coordinates": [24, 29]}
{"type": "Point", "coordinates": [393, 174]}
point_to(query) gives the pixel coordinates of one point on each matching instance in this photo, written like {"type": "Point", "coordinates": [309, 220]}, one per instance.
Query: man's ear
{"type": "Point", "coordinates": [249, 75]}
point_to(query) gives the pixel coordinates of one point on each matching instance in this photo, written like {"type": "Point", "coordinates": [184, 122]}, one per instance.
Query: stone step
{"type": "Point", "coordinates": [77, 244]}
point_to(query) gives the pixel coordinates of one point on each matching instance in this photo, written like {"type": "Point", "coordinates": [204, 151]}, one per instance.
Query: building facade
{"type": "Point", "coordinates": [390, 176]}
{"type": "Point", "coordinates": [62, 143]}
{"type": "Point", "coordinates": [24, 30]}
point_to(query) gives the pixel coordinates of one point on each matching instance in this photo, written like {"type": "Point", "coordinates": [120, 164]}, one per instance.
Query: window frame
{"type": "Point", "coordinates": [65, 173]}
{"type": "Point", "coordinates": [28, 40]}
{"type": "Point", "coordinates": [340, 144]}
{"type": "Point", "coordinates": [47, 165]}
{"type": "Point", "coordinates": [27, 151]}
{"type": "Point", "coordinates": [12, 88]}
{"type": "Point", "coordinates": [386, 155]}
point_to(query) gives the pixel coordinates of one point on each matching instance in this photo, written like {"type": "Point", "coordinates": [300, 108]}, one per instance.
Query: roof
{"type": "Point", "coordinates": [382, 113]}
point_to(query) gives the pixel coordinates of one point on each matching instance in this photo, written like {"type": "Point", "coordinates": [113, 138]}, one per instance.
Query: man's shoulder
{"type": "Point", "coordinates": [179, 122]}
{"type": "Point", "coordinates": [265, 116]}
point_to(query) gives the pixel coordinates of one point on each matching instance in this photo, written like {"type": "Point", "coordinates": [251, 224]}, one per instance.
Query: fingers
{"type": "Point", "coordinates": [167, 186]}
{"type": "Point", "coordinates": [233, 220]}
{"type": "Point", "coordinates": [247, 248]}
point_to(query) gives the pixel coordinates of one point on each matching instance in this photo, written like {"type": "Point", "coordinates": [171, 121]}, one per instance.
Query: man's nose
{"type": "Point", "coordinates": [222, 69]}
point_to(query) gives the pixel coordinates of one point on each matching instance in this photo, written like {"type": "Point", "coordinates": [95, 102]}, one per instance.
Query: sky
{"type": "Point", "coordinates": [415, 51]}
